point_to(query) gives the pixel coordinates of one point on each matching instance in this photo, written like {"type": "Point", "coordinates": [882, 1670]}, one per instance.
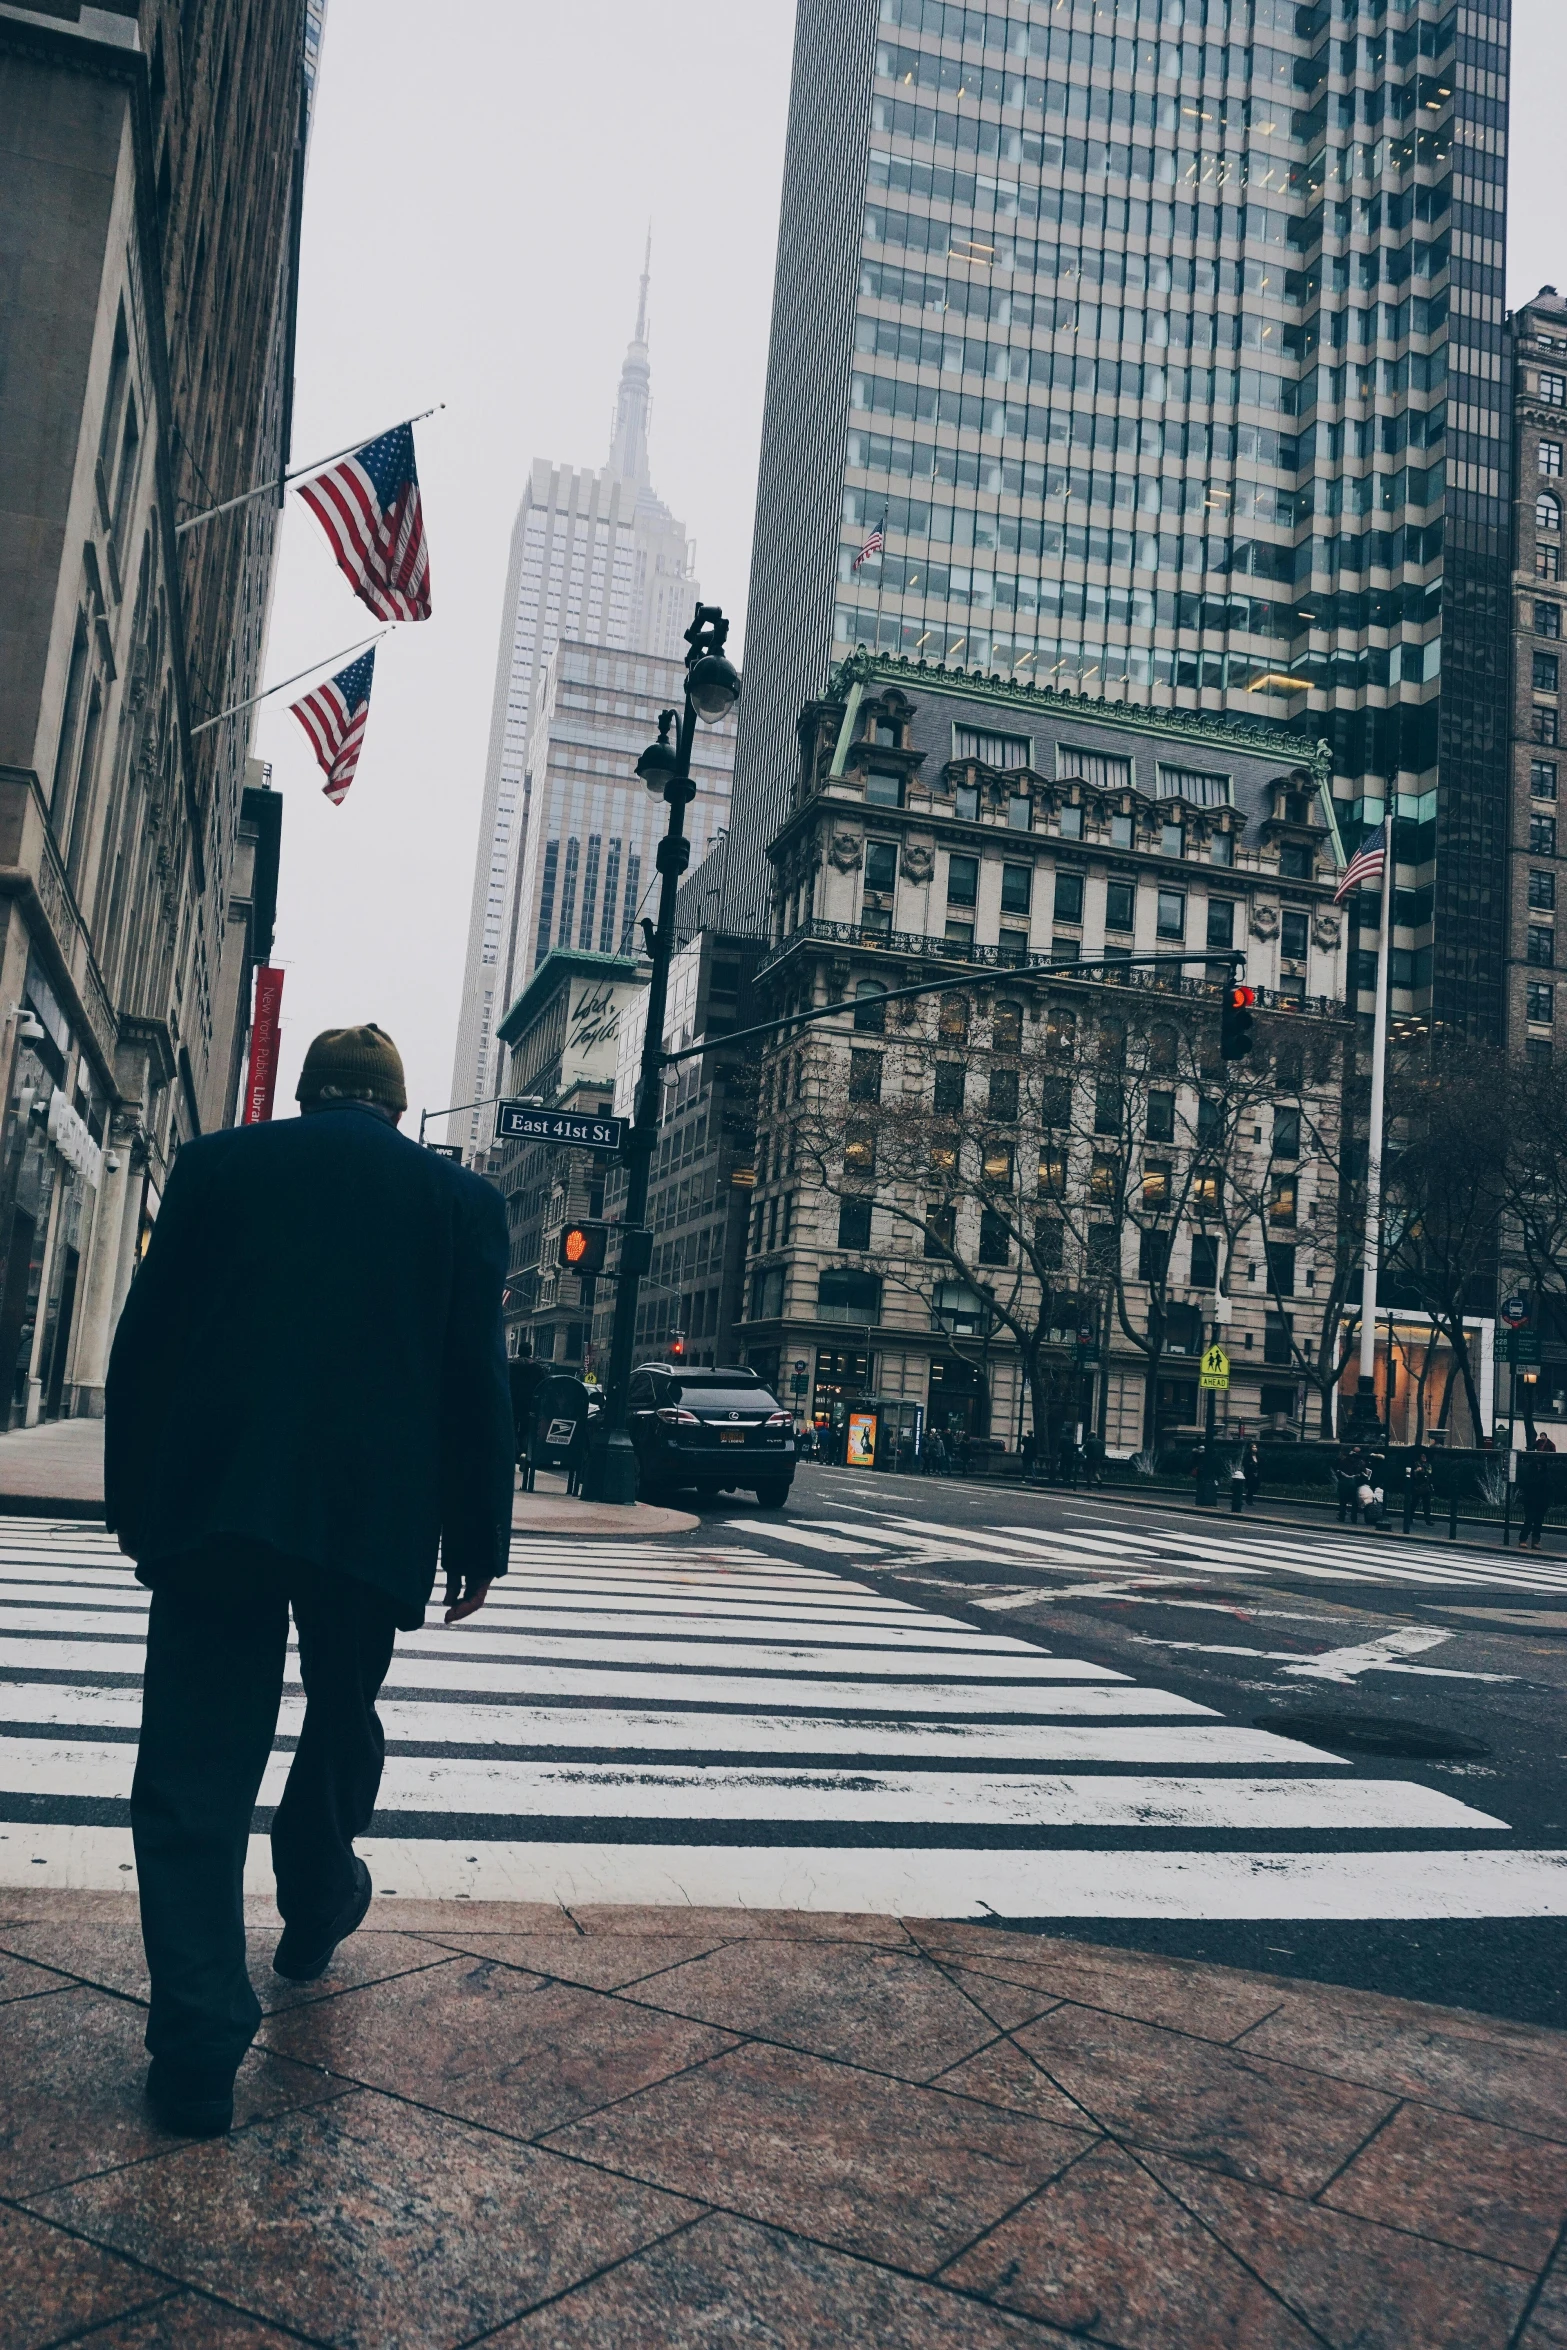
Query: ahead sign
{"type": "Point", "coordinates": [517, 1122]}
{"type": "Point", "coordinates": [1215, 1368]}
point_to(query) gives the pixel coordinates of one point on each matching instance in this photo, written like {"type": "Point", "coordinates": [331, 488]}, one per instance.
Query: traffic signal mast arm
{"type": "Point", "coordinates": [1005, 975]}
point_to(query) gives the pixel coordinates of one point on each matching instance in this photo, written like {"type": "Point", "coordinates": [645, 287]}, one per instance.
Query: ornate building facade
{"type": "Point", "coordinates": [151, 167]}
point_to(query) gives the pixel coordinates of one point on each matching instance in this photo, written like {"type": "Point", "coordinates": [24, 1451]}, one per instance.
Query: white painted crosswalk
{"type": "Point", "coordinates": [732, 1722]}
{"type": "Point", "coordinates": [1107, 1542]}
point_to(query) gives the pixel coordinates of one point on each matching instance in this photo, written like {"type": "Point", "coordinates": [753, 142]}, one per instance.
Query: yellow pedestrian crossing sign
{"type": "Point", "coordinates": [1215, 1368]}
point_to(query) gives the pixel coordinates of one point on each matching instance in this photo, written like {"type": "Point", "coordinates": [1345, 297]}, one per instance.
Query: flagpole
{"type": "Point", "coordinates": [281, 480]}
{"type": "Point", "coordinates": [268, 691]}
{"type": "Point", "coordinates": [1372, 1257]}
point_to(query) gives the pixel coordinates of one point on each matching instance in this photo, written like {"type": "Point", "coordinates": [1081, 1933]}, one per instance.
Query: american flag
{"type": "Point", "coordinates": [874, 544]}
{"type": "Point", "coordinates": [1364, 865]}
{"type": "Point", "coordinates": [368, 505]}
{"type": "Point", "coordinates": [333, 715]}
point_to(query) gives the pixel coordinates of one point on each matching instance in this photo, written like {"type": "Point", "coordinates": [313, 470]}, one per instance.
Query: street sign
{"type": "Point", "coordinates": [1515, 1312]}
{"type": "Point", "coordinates": [1523, 1346]}
{"type": "Point", "coordinates": [1215, 1368]}
{"type": "Point", "coordinates": [446, 1150]}
{"type": "Point", "coordinates": [516, 1122]}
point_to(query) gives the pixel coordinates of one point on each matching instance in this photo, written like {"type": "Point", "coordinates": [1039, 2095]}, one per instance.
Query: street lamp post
{"type": "Point", "coordinates": [712, 688]}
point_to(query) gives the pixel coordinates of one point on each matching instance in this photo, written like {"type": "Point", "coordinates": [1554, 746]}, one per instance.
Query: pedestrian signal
{"type": "Point", "coordinates": [582, 1248]}
{"type": "Point", "coordinates": [1236, 1023]}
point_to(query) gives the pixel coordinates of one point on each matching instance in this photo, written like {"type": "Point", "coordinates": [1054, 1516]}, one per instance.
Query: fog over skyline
{"type": "Point", "coordinates": [488, 257]}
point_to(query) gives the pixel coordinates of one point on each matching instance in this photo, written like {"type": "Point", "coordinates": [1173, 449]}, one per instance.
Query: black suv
{"type": "Point", "coordinates": [718, 1430]}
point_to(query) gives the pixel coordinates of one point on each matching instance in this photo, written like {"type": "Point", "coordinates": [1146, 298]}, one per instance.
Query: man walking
{"type": "Point", "coordinates": [307, 1400]}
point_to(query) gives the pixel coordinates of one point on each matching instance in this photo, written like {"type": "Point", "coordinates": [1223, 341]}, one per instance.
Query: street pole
{"type": "Point", "coordinates": [713, 685]}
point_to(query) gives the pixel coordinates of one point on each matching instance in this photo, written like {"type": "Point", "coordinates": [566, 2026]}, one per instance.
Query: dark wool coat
{"type": "Point", "coordinates": [311, 1356]}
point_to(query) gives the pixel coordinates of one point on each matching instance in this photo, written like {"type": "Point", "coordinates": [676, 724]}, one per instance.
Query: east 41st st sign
{"type": "Point", "coordinates": [517, 1122]}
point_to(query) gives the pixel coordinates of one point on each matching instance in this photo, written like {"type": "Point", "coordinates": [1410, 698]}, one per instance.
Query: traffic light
{"type": "Point", "coordinates": [582, 1248]}
{"type": "Point", "coordinates": [677, 1346]}
{"type": "Point", "coordinates": [1236, 1023]}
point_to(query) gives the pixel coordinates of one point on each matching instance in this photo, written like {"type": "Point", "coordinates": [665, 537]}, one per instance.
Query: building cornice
{"type": "Point", "coordinates": [1270, 737]}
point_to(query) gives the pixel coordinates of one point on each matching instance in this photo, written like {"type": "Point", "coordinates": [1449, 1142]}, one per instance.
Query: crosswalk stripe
{"type": "Point", "coordinates": [877, 1798]}
{"type": "Point", "coordinates": [627, 1714]}
{"type": "Point", "coordinates": [631, 1729]}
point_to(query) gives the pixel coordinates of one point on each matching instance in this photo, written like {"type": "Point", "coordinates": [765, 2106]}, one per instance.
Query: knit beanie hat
{"type": "Point", "coordinates": [353, 1065]}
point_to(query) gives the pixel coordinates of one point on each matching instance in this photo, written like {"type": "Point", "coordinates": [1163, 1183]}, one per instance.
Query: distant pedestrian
{"type": "Point", "coordinates": [1421, 1486]}
{"type": "Point", "coordinates": [307, 1400]}
{"type": "Point", "coordinates": [1351, 1469]}
{"type": "Point", "coordinates": [1534, 1489]}
{"type": "Point", "coordinates": [1251, 1471]}
{"type": "Point", "coordinates": [1068, 1457]}
{"type": "Point", "coordinates": [936, 1453]}
{"type": "Point", "coordinates": [1094, 1456]}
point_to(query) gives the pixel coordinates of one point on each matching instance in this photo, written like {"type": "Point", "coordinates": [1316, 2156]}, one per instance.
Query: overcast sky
{"type": "Point", "coordinates": [474, 220]}
{"type": "Point", "coordinates": [473, 233]}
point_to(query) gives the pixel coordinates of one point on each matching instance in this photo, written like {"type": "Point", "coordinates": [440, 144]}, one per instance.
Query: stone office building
{"type": "Point", "coordinates": [562, 1039]}
{"type": "Point", "coordinates": [692, 1302]}
{"type": "Point", "coordinates": [151, 165]}
{"type": "Point", "coordinates": [945, 825]}
{"type": "Point", "coordinates": [1534, 992]}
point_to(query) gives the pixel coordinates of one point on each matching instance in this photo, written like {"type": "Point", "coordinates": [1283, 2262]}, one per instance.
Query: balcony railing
{"type": "Point", "coordinates": [913, 945]}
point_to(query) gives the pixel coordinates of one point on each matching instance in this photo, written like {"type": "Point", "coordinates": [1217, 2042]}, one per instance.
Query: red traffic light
{"type": "Point", "coordinates": [1236, 1022]}
{"type": "Point", "coordinates": [582, 1248]}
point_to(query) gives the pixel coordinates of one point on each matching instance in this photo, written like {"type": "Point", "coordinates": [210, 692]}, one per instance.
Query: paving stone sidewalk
{"type": "Point", "coordinates": [632, 2129]}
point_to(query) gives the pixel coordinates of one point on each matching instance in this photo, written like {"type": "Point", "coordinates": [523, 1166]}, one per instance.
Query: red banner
{"type": "Point", "coordinates": [263, 1047]}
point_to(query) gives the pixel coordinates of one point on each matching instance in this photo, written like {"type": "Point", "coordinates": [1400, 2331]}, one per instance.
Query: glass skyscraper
{"type": "Point", "coordinates": [1162, 340]}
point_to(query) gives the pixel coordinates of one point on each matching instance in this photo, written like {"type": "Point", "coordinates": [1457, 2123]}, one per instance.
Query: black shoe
{"type": "Point", "coordinates": [304, 1955]}
{"type": "Point", "coordinates": [191, 2104]}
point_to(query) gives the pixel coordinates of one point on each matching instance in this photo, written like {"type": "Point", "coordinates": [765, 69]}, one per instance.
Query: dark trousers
{"type": "Point", "coordinates": [1534, 1509]}
{"type": "Point", "coordinates": [217, 1640]}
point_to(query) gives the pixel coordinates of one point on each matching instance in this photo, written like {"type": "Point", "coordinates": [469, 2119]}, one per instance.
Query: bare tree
{"type": "Point", "coordinates": [1447, 1186]}
{"type": "Point", "coordinates": [1007, 1158]}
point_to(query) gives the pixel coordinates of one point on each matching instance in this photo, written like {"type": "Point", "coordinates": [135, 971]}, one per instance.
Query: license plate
{"type": "Point", "coordinates": [731, 1436]}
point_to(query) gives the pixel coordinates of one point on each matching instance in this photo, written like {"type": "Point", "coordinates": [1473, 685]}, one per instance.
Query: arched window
{"type": "Point", "coordinates": [1547, 511]}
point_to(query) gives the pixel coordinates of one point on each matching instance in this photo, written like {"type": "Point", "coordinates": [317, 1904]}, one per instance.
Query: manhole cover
{"type": "Point", "coordinates": [1373, 1734]}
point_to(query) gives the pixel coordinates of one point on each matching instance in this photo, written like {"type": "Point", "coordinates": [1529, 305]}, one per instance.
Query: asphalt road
{"type": "Point", "coordinates": [1456, 1684]}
